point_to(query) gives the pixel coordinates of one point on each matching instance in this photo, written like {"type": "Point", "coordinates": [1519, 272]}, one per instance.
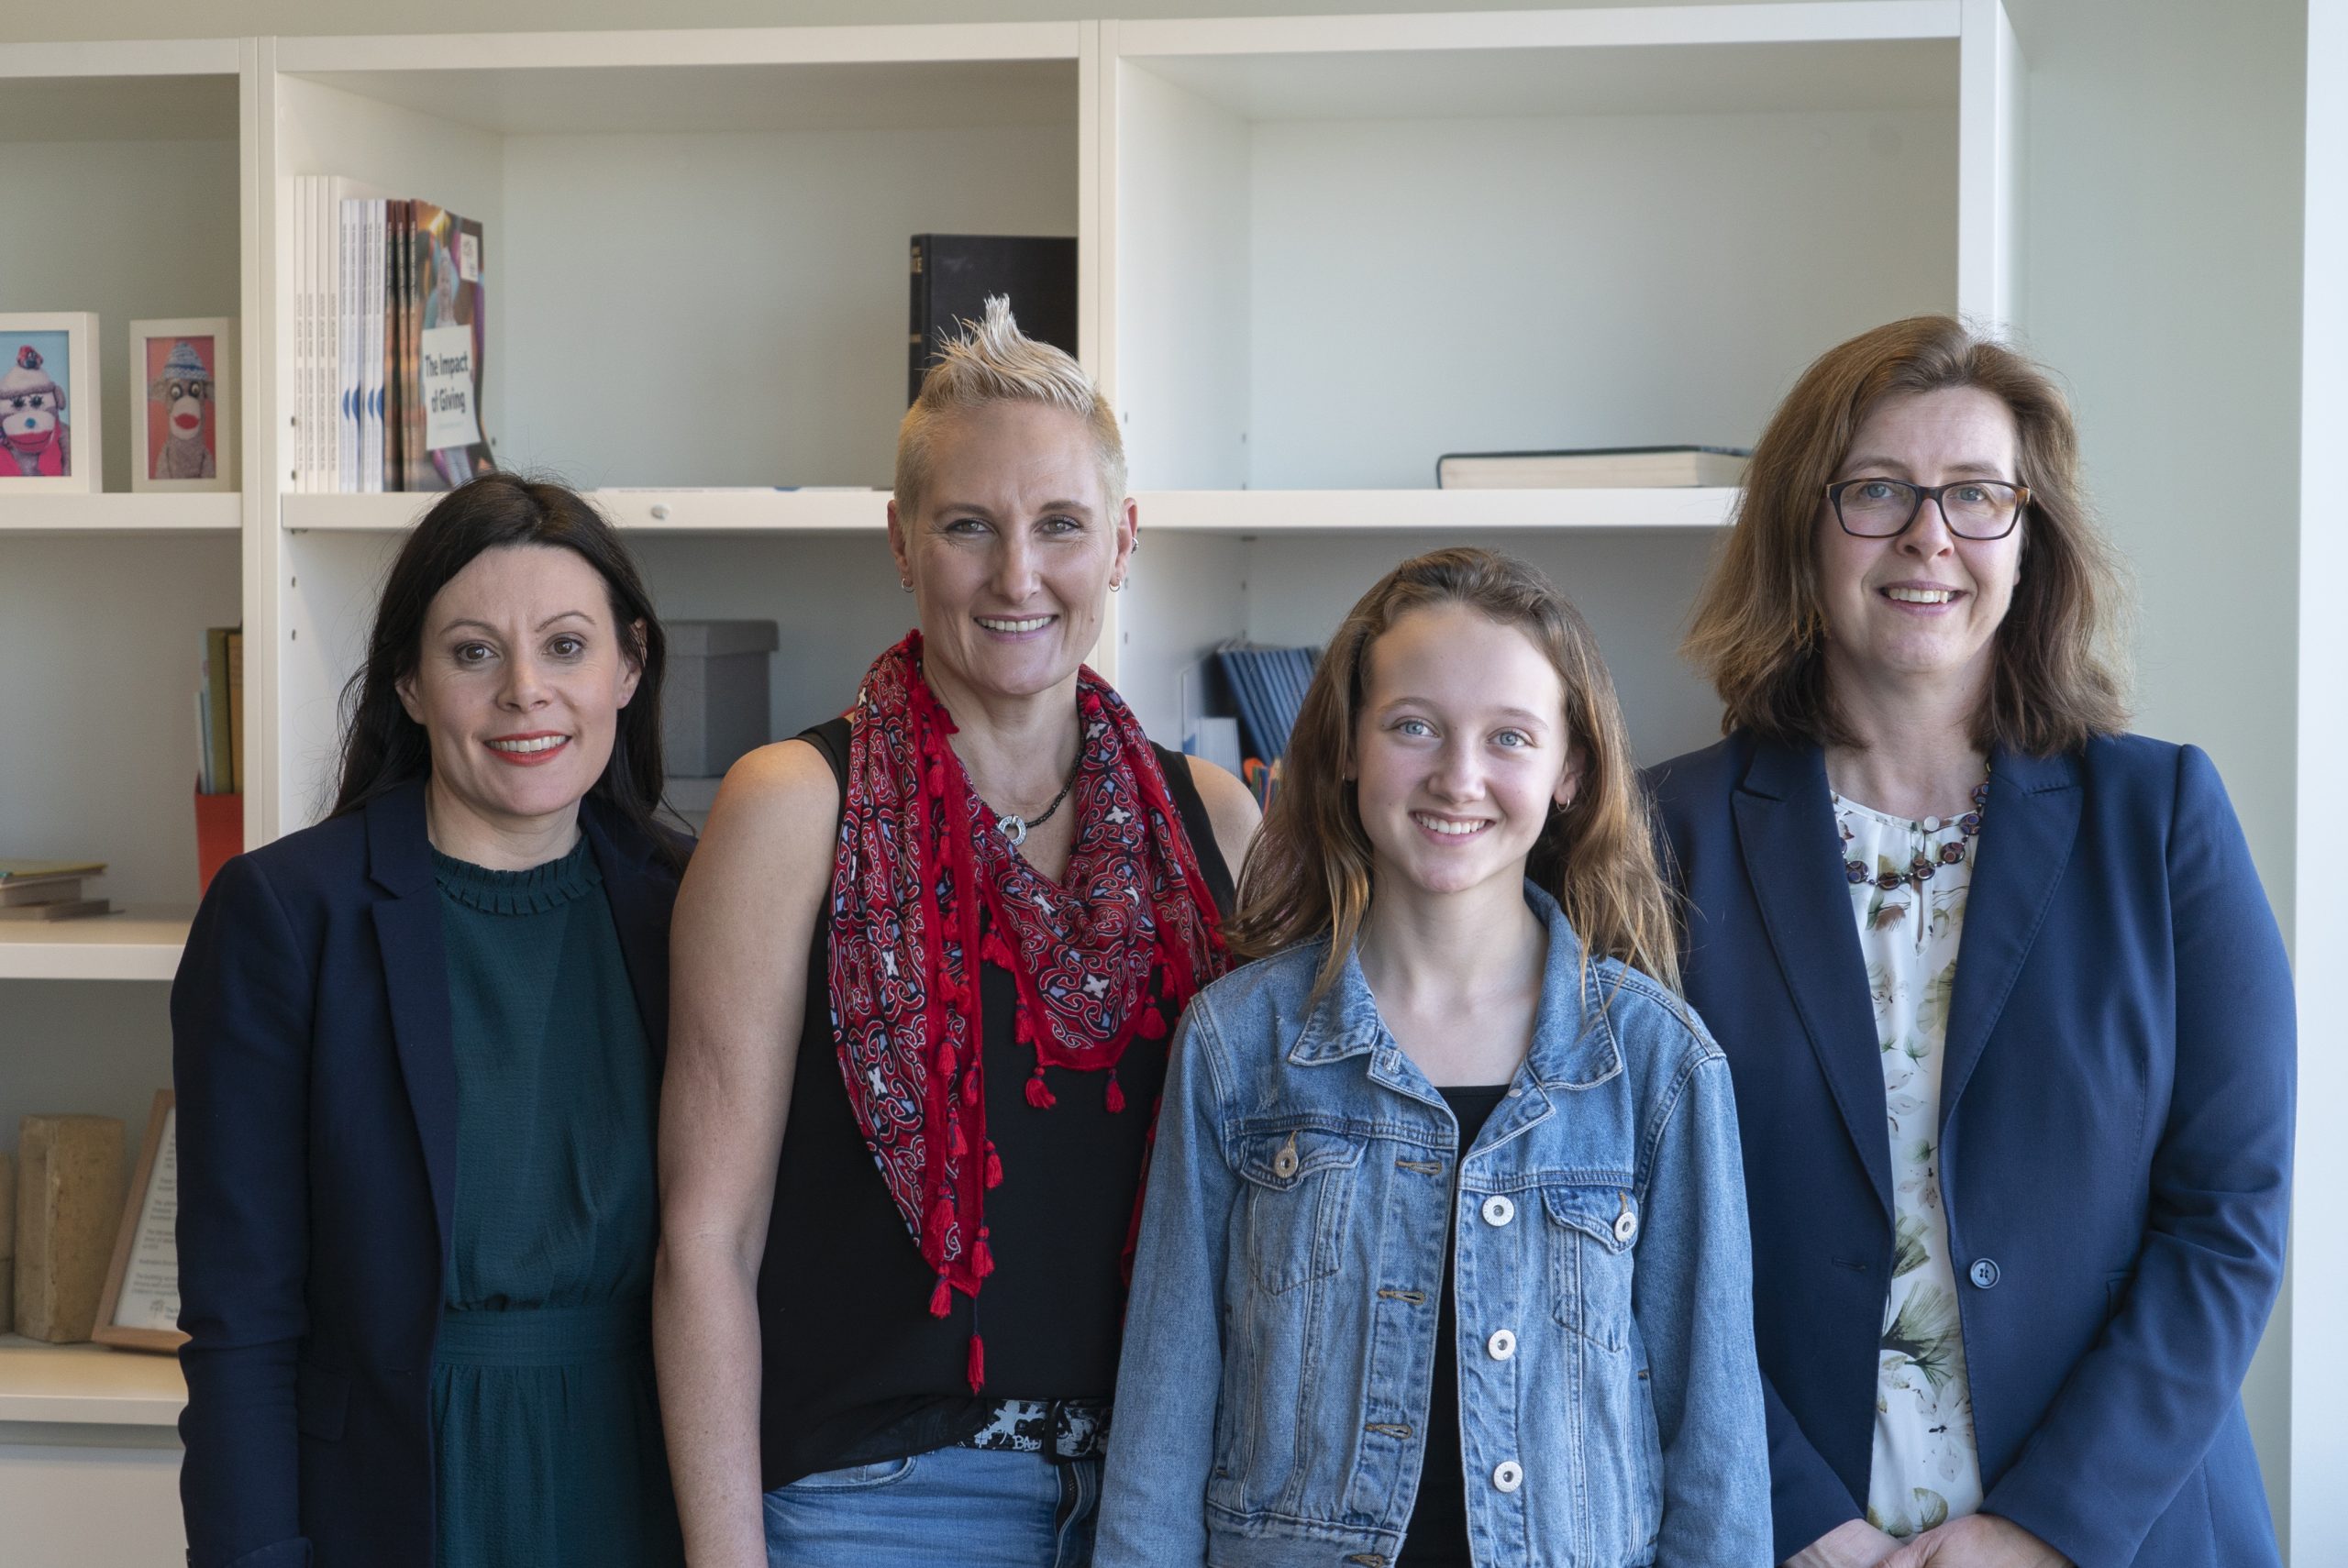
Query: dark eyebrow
{"type": "Point", "coordinates": [485, 626]}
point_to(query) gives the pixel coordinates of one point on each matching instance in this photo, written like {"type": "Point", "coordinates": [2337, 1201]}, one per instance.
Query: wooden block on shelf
{"type": "Point", "coordinates": [69, 1200]}
{"type": "Point", "coordinates": [7, 1243]}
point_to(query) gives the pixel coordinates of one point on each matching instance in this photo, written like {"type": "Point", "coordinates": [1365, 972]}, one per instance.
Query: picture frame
{"type": "Point", "coordinates": [140, 1308]}
{"type": "Point", "coordinates": [183, 405]}
{"type": "Point", "coordinates": [50, 432]}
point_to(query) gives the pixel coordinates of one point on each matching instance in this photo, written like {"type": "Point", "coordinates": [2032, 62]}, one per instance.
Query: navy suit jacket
{"type": "Point", "coordinates": [318, 1167]}
{"type": "Point", "coordinates": [2115, 1118]}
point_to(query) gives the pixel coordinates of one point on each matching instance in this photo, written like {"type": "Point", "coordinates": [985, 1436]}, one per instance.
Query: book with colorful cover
{"type": "Point", "coordinates": [450, 336]}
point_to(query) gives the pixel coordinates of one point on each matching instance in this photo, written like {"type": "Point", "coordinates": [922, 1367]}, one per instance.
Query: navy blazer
{"type": "Point", "coordinates": [2115, 1117]}
{"type": "Point", "coordinates": [316, 1080]}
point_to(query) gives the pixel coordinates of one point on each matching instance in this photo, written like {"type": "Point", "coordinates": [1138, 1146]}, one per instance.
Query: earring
{"type": "Point", "coordinates": [1118, 586]}
{"type": "Point", "coordinates": [906, 583]}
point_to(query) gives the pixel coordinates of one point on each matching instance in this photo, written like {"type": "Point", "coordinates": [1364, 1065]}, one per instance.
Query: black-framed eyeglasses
{"type": "Point", "coordinates": [1877, 508]}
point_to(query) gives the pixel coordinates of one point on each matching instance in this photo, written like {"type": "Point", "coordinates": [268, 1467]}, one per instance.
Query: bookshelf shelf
{"type": "Point", "coordinates": [142, 943]}
{"type": "Point", "coordinates": [682, 512]}
{"type": "Point", "coordinates": [88, 1384]}
{"type": "Point", "coordinates": [1469, 512]}
{"type": "Point", "coordinates": [134, 514]}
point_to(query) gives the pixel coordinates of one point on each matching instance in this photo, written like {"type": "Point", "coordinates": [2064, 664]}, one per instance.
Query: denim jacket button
{"type": "Point", "coordinates": [1498, 1210]}
{"type": "Point", "coordinates": [1502, 1346]}
{"type": "Point", "coordinates": [1508, 1476]}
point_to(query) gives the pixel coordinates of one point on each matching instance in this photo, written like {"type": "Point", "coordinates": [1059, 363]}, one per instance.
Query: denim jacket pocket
{"type": "Point", "coordinates": [1299, 1190]}
{"type": "Point", "coordinates": [1594, 1232]}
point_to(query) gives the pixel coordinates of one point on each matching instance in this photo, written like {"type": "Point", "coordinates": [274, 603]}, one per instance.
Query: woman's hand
{"type": "Point", "coordinates": [1857, 1545]}
{"type": "Point", "coordinates": [1976, 1541]}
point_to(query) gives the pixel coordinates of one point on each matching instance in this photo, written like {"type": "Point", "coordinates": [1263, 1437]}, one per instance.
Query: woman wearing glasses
{"type": "Point", "coordinates": [2007, 1013]}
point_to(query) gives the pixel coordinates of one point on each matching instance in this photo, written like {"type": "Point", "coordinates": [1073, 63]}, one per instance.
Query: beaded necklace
{"type": "Point", "coordinates": [1920, 869]}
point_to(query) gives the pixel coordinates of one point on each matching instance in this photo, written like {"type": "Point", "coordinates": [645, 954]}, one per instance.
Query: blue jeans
{"type": "Point", "coordinates": [965, 1506]}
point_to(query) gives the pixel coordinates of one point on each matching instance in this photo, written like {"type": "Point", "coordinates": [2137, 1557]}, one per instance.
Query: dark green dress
{"type": "Point", "coordinates": [546, 1433]}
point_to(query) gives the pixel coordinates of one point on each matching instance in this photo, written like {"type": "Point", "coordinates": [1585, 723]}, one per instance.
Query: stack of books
{"type": "Point", "coordinates": [387, 339]}
{"type": "Point", "coordinates": [49, 890]}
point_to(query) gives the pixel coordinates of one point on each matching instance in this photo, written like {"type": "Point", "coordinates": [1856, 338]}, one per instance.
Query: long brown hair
{"type": "Point", "coordinates": [1308, 873]}
{"type": "Point", "coordinates": [2056, 673]}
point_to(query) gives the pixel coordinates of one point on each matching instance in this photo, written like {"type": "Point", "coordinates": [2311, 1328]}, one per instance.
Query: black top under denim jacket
{"type": "Point", "coordinates": [856, 1370]}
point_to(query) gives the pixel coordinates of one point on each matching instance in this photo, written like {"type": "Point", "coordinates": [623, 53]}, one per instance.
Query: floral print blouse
{"type": "Point", "coordinates": [1926, 1470]}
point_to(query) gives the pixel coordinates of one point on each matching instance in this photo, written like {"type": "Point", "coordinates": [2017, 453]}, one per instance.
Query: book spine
{"type": "Point", "coordinates": [394, 333]}
{"type": "Point", "coordinates": [370, 462]}
{"type": "Point", "coordinates": [917, 328]}
{"type": "Point", "coordinates": [219, 770]}
{"type": "Point", "coordinates": [237, 712]}
{"type": "Point", "coordinates": [302, 459]}
{"type": "Point", "coordinates": [346, 338]}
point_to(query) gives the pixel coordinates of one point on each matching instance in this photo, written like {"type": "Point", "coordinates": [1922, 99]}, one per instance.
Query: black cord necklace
{"type": "Point", "coordinates": [1014, 827]}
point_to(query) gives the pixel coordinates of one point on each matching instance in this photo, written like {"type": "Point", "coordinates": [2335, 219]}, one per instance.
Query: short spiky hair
{"type": "Point", "coordinates": [993, 362]}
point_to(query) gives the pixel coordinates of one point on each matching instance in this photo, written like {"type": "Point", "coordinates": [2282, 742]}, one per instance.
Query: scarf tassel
{"type": "Point", "coordinates": [941, 1300]}
{"type": "Point", "coordinates": [996, 951]}
{"type": "Point", "coordinates": [982, 1256]}
{"type": "Point", "coordinates": [978, 1372]}
{"type": "Point", "coordinates": [994, 1167]}
{"type": "Point", "coordinates": [1039, 1093]}
{"type": "Point", "coordinates": [1115, 1097]}
{"type": "Point", "coordinates": [947, 1059]}
{"type": "Point", "coordinates": [970, 1088]}
{"type": "Point", "coordinates": [956, 1143]}
{"type": "Point", "coordinates": [1151, 1026]}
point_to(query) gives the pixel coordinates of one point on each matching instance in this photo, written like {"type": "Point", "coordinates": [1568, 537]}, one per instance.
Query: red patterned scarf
{"type": "Point", "coordinates": [1114, 950]}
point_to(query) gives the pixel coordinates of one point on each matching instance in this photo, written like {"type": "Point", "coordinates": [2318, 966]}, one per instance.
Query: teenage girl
{"type": "Point", "coordinates": [1443, 1255]}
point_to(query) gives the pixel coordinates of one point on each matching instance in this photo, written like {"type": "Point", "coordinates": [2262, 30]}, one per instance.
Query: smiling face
{"type": "Point", "coordinates": [1924, 605]}
{"type": "Point", "coordinates": [1010, 549]}
{"type": "Point", "coordinates": [520, 680]}
{"type": "Point", "coordinates": [1460, 751]}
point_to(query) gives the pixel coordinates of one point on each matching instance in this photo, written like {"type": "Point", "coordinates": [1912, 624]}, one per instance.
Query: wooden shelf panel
{"type": "Point", "coordinates": [648, 510]}
{"type": "Point", "coordinates": [142, 943]}
{"type": "Point", "coordinates": [50, 514]}
{"type": "Point", "coordinates": [1379, 510]}
{"type": "Point", "coordinates": [88, 1383]}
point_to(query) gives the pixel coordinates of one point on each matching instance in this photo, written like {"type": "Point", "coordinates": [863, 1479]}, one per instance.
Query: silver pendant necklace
{"type": "Point", "coordinates": [1014, 827]}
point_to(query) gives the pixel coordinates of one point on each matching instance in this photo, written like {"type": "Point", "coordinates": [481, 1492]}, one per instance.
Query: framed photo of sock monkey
{"type": "Point", "coordinates": [183, 405]}
{"type": "Point", "coordinates": [48, 402]}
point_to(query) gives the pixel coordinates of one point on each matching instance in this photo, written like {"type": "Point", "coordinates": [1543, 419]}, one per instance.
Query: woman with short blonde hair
{"type": "Point", "coordinates": [2009, 1019]}
{"type": "Point", "coordinates": [926, 971]}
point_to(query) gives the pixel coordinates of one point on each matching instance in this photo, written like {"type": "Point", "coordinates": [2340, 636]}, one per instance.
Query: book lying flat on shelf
{"type": "Point", "coordinates": [1595, 467]}
{"type": "Point", "coordinates": [49, 890]}
{"type": "Point", "coordinates": [389, 334]}
{"type": "Point", "coordinates": [15, 873]}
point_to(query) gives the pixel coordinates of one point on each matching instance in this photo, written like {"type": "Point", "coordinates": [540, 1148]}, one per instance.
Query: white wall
{"type": "Point", "coordinates": [2319, 1354]}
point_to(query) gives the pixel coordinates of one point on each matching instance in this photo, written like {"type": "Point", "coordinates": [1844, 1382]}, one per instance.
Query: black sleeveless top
{"type": "Point", "coordinates": [856, 1370]}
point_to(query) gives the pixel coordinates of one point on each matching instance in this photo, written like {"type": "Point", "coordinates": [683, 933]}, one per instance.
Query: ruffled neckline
{"type": "Point", "coordinates": [532, 891]}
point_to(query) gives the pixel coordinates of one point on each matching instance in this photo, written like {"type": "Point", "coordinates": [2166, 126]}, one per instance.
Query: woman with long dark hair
{"type": "Point", "coordinates": [417, 1050]}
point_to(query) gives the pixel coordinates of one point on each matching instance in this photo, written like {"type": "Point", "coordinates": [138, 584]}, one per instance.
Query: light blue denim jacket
{"type": "Point", "coordinates": [1280, 1340]}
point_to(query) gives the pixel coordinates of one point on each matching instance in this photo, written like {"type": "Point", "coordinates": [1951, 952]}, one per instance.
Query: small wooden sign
{"type": "Point", "coordinates": [140, 1309]}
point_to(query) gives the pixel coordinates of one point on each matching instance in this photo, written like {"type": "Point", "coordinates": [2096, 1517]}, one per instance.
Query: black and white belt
{"type": "Point", "coordinates": [1057, 1429]}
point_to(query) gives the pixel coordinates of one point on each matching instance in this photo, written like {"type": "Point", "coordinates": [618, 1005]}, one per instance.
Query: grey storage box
{"type": "Point", "coordinates": [716, 705]}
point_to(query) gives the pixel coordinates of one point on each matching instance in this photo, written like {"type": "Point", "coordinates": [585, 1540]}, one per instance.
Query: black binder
{"type": "Point", "coordinates": [953, 274]}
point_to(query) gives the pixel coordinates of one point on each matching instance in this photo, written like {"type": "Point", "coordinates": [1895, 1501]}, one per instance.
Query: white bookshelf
{"type": "Point", "coordinates": [1316, 253]}
{"type": "Point", "coordinates": [141, 942]}
{"type": "Point", "coordinates": [87, 1385]}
